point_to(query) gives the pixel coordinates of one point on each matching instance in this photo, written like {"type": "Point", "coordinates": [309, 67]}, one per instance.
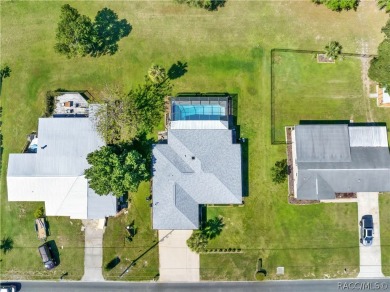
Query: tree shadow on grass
{"type": "Point", "coordinates": [112, 264]}
{"type": "Point", "coordinates": [177, 70]}
{"type": "Point", "coordinates": [109, 30]}
{"type": "Point", "coordinates": [7, 244]}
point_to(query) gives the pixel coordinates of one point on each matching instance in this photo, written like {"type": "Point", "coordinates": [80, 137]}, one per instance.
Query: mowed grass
{"type": "Point", "coordinates": [307, 90]}
{"type": "Point", "coordinates": [226, 51]}
{"type": "Point", "coordinates": [142, 248]}
{"type": "Point", "coordinates": [24, 261]}
{"type": "Point", "coordinates": [384, 205]}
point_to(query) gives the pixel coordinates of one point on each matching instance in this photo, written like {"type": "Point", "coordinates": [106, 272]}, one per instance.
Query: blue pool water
{"type": "Point", "coordinates": [198, 112]}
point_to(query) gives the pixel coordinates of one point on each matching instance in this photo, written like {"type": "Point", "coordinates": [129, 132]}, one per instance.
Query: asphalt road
{"type": "Point", "coordinates": [267, 286]}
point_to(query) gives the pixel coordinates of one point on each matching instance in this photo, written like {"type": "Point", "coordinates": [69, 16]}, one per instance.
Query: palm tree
{"type": "Point", "coordinates": [198, 241]}
{"type": "Point", "coordinates": [333, 50]}
{"type": "Point", "coordinates": [7, 244]}
{"type": "Point", "coordinates": [157, 74]}
{"type": "Point", "coordinates": [384, 4]}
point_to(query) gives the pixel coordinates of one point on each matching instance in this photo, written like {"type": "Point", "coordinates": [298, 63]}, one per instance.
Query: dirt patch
{"type": "Point", "coordinates": [346, 196]}
{"type": "Point", "coordinates": [295, 201]}
{"type": "Point", "coordinates": [322, 58]}
{"type": "Point", "coordinates": [290, 162]}
{"type": "Point", "coordinates": [365, 60]}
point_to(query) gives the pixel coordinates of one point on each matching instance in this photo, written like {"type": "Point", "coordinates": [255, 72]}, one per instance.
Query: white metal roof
{"type": "Point", "coordinates": [368, 136]}
{"type": "Point", "coordinates": [55, 174]}
{"type": "Point", "coordinates": [201, 125]}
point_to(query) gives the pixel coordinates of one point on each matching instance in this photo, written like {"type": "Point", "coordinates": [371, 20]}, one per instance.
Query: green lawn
{"type": "Point", "coordinates": [384, 205]}
{"type": "Point", "coordinates": [116, 244]}
{"type": "Point", "coordinates": [307, 90]}
{"type": "Point", "coordinates": [226, 51]}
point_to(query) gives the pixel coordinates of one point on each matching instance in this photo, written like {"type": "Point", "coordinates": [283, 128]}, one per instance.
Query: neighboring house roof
{"type": "Point", "coordinates": [341, 159]}
{"type": "Point", "coordinates": [193, 124]}
{"type": "Point", "coordinates": [195, 167]}
{"type": "Point", "coordinates": [55, 174]}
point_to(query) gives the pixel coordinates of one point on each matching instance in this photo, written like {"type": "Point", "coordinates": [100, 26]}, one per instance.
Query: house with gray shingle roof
{"type": "Point", "coordinates": [339, 158]}
{"type": "Point", "coordinates": [198, 164]}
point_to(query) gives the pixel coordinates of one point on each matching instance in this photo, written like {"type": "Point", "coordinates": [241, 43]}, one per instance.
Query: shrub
{"type": "Point", "coordinates": [50, 103]}
{"type": "Point", "coordinates": [337, 5]}
{"type": "Point", "coordinates": [279, 172]}
{"type": "Point", "coordinates": [211, 5]}
{"type": "Point", "coordinates": [260, 276]}
{"type": "Point", "coordinates": [39, 212]}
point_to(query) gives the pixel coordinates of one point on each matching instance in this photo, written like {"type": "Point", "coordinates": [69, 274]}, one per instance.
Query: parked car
{"type": "Point", "coordinates": [7, 288]}
{"type": "Point", "coordinates": [47, 256]}
{"type": "Point", "coordinates": [366, 230]}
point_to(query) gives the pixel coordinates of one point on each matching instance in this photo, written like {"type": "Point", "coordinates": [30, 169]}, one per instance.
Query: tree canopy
{"type": "Point", "coordinates": [74, 33]}
{"type": "Point", "coordinates": [149, 101]}
{"type": "Point", "coordinates": [210, 5]}
{"type": "Point", "coordinates": [380, 66]}
{"type": "Point", "coordinates": [384, 4]}
{"type": "Point", "coordinates": [279, 171]}
{"type": "Point", "coordinates": [77, 35]}
{"type": "Point", "coordinates": [126, 116]}
{"type": "Point", "coordinates": [5, 72]}
{"type": "Point", "coordinates": [117, 168]}
{"type": "Point", "coordinates": [157, 74]}
{"type": "Point", "coordinates": [333, 50]}
{"type": "Point", "coordinates": [339, 5]}
{"type": "Point", "coordinates": [199, 238]}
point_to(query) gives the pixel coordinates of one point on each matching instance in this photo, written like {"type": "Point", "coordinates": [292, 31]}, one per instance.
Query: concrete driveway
{"type": "Point", "coordinates": [177, 262]}
{"type": "Point", "coordinates": [370, 256]}
{"type": "Point", "coordinates": [93, 257]}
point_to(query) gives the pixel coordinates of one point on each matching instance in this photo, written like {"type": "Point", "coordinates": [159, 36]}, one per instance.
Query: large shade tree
{"type": "Point", "coordinates": [380, 66]}
{"type": "Point", "coordinates": [77, 35]}
{"type": "Point", "coordinates": [149, 102]}
{"type": "Point", "coordinates": [74, 33]}
{"type": "Point", "coordinates": [125, 116]}
{"type": "Point", "coordinates": [116, 169]}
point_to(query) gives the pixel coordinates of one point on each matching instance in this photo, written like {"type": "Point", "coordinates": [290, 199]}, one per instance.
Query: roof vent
{"type": "Point", "coordinates": [193, 157]}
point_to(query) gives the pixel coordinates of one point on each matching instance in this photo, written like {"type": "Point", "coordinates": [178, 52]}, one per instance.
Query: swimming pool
{"type": "Point", "coordinates": [197, 112]}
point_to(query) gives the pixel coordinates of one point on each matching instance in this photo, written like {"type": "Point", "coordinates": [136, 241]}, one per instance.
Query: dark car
{"type": "Point", "coordinates": [366, 230]}
{"type": "Point", "coordinates": [47, 256]}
